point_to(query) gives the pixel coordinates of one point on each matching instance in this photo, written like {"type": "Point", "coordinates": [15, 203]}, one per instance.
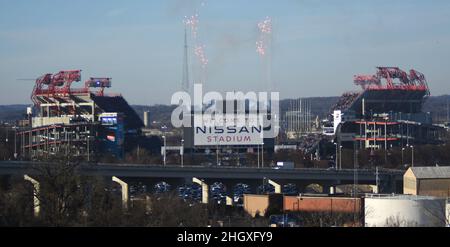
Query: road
{"type": "Point", "coordinates": [391, 179]}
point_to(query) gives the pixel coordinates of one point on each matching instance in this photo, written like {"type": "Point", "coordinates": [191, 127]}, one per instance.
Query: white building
{"type": "Point", "coordinates": [404, 211]}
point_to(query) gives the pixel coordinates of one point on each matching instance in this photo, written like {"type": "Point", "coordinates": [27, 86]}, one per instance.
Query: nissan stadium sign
{"type": "Point", "coordinates": [208, 134]}
{"type": "Point", "coordinates": [236, 119]}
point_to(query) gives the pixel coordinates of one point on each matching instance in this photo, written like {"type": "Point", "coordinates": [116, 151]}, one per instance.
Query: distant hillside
{"type": "Point", "coordinates": [159, 113]}
{"type": "Point", "coordinates": [438, 107]}
{"type": "Point", "coordinates": [320, 106]}
{"type": "Point", "coordinates": [12, 112]}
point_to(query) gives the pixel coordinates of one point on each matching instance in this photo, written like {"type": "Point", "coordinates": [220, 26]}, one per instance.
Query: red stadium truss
{"type": "Point", "coordinates": [59, 85]}
{"type": "Point", "coordinates": [414, 81]}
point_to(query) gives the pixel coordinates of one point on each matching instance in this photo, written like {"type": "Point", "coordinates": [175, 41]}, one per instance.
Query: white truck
{"type": "Point", "coordinates": [285, 165]}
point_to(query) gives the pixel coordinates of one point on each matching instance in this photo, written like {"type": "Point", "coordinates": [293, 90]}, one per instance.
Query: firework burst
{"type": "Point", "coordinates": [265, 26]}
{"type": "Point", "coordinates": [200, 53]}
{"type": "Point", "coordinates": [265, 30]}
{"type": "Point", "coordinates": [192, 23]}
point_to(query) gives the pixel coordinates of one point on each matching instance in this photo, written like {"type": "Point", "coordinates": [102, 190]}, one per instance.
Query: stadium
{"type": "Point", "coordinates": [387, 112]}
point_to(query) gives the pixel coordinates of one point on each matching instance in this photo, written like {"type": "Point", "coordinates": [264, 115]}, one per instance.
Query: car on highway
{"type": "Point", "coordinates": [284, 220]}
{"type": "Point", "coordinates": [162, 187]}
{"type": "Point", "coordinates": [238, 193]}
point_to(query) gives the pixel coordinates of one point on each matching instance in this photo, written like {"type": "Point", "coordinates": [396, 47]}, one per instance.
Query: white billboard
{"type": "Point", "coordinates": [212, 134]}
{"type": "Point", "coordinates": [337, 116]}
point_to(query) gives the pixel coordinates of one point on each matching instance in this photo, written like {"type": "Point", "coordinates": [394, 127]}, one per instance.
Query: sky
{"type": "Point", "coordinates": [317, 46]}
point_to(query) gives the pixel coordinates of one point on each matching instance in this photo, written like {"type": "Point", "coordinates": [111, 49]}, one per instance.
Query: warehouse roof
{"type": "Point", "coordinates": [431, 172]}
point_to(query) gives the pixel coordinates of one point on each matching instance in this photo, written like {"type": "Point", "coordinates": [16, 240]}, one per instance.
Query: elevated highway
{"type": "Point", "coordinates": [390, 181]}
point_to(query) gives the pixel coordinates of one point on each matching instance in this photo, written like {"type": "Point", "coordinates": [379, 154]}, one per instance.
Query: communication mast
{"type": "Point", "coordinates": [185, 80]}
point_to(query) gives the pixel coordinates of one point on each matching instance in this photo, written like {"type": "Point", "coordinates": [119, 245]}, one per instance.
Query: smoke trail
{"type": "Point", "coordinates": [265, 30]}
{"type": "Point", "coordinates": [192, 23]}
{"type": "Point", "coordinates": [263, 48]}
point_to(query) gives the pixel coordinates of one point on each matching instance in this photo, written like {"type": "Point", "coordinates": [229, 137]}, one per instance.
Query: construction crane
{"type": "Point", "coordinates": [366, 80]}
{"type": "Point", "coordinates": [100, 82]}
{"type": "Point", "coordinates": [417, 78]}
{"type": "Point", "coordinates": [65, 79]}
{"type": "Point", "coordinates": [412, 81]}
{"type": "Point", "coordinates": [38, 87]}
{"type": "Point", "coordinates": [54, 85]}
{"type": "Point", "coordinates": [390, 73]}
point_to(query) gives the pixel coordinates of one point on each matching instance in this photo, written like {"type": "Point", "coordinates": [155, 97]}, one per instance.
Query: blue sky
{"type": "Point", "coordinates": [317, 45]}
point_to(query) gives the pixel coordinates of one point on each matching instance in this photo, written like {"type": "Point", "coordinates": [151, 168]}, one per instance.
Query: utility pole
{"type": "Point", "coordinates": [15, 142]}
{"type": "Point", "coordinates": [377, 179]}
{"type": "Point", "coordinates": [385, 142]}
{"type": "Point", "coordinates": [217, 154]}
{"type": "Point", "coordinates": [7, 133]}
{"type": "Point", "coordinates": [257, 147]}
{"type": "Point", "coordinates": [262, 155]}
{"type": "Point", "coordinates": [182, 152]}
{"type": "Point", "coordinates": [403, 163]}
{"type": "Point", "coordinates": [336, 156]}
{"type": "Point", "coordinates": [355, 176]}
{"type": "Point", "coordinates": [407, 133]}
{"type": "Point", "coordinates": [88, 150]}
{"type": "Point", "coordinates": [164, 150]}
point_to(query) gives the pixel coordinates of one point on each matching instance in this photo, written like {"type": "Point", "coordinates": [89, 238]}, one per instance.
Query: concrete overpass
{"type": "Point", "coordinates": [390, 181]}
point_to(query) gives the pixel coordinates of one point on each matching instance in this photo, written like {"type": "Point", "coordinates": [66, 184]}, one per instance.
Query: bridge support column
{"type": "Point", "coordinates": [124, 187]}
{"type": "Point", "coordinates": [332, 190]}
{"type": "Point", "coordinates": [229, 201]}
{"type": "Point", "coordinates": [205, 191]}
{"type": "Point", "coordinates": [276, 185]}
{"type": "Point", "coordinates": [375, 189]}
{"type": "Point", "coordinates": [36, 190]}
{"type": "Point", "coordinates": [327, 188]}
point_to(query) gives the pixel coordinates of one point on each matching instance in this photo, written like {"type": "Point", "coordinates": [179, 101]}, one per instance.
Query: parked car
{"type": "Point", "coordinates": [284, 220]}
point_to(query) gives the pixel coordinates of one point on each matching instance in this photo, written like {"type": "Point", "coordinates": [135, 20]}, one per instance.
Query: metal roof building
{"type": "Point", "coordinates": [428, 181]}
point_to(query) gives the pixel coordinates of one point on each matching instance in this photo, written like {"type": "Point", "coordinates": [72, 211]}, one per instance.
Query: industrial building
{"type": "Point", "coordinates": [80, 122]}
{"type": "Point", "coordinates": [427, 181]}
{"type": "Point", "coordinates": [385, 115]}
{"type": "Point", "coordinates": [404, 211]}
{"type": "Point", "coordinates": [370, 210]}
{"type": "Point", "coordinates": [315, 204]}
{"type": "Point", "coordinates": [260, 204]}
{"type": "Point", "coordinates": [256, 204]}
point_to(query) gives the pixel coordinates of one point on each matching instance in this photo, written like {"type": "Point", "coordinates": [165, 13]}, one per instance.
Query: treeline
{"type": "Point", "coordinates": [395, 158]}
{"type": "Point", "coordinates": [68, 199]}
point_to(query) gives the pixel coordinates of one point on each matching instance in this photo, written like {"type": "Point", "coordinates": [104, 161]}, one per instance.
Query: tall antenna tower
{"type": "Point", "coordinates": [185, 85]}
